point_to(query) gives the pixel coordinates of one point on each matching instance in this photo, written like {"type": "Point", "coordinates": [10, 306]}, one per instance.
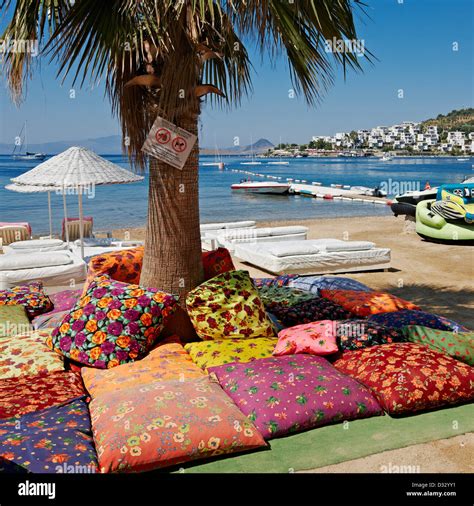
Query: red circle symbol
{"type": "Point", "coordinates": [163, 135]}
{"type": "Point", "coordinates": [179, 144]}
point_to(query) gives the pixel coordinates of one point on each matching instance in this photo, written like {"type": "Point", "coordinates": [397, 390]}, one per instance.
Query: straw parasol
{"type": "Point", "coordinates": [77, 169]}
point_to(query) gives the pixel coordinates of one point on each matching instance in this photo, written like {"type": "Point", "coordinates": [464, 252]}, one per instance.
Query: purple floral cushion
{"type": "Point", "coordinates": [294, 392]}
{"type": "Point", "coordinates": [54, 440]}
{"type": "Point", "coordinates": [309, 311]}
{"type": "Point", "coordinates": [405, 317]}
{"type": "Point", "coordinates": [113, 323]}
{"type": "Point", "coordinates": [31, 297]}
{"type": "Point", "coordinates": [65, 300]}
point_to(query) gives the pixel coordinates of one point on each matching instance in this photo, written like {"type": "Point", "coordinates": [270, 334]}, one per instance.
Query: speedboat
{"type": "Point", "coordinates": [251, 163]}
{"type": "Point", "coordinates": [413, 197]}
{"type": "Point", "coordinates": [263, 187]}
{"type": "Point", "coordinates": [386, 158]}
{"type": "Point", "coordinates": [30, 156]}
{"type": "Point", "coordinates": [279, 162]}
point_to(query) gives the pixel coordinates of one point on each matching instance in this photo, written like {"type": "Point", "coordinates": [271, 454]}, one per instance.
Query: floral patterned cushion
{"type": "Point", "coordinates": [13, 321]}
{"type": "Point", "coordinates": [166, 362]}
{"type": "Point", "coordinates": [65, 300]}
{"type": "Point", "coordinates": [54, 440]}
{"type": "Point", "coordinates": [165, 423]}
{"type": "Point", "coordinates": [400, 319]}
{"type": "Point", "coordinates": [367, 303]}
{"type": "Point", "coordinates": [26, 394]}
{"type": "Point", "coordinates": [282, 280]}
{"type": "Point", "coordinates": [31, 296]}
{"type": "Point", "coordinates": [459, 345]}
{"type": "Point", "coordinates": [282, 296]}
{"type": "Point", "coordinates": [291, 393]}
{"type": "Point", "coordinates": [124, 265]}
{"type": "Point", "coordinates": [409, 377]}
{"type": "Point", "coordinates": [26, 355]}
{"type": "Point", "coordinates": [310, 311]}
{"type": "Point", "coordinates": [356, 334]}
{"type": "Point", "coordinates": [113, 323]}
{"type": "Point", "coordinates": [315, 283]}
{"type": "Point", "coordinates": [316, 338]}
{"type": "Point", "coordinates": [216, 262]}
{"type": "Point", "coordinates": [212, 353]}
{"type": "Point", "coordinates": [228, 306]}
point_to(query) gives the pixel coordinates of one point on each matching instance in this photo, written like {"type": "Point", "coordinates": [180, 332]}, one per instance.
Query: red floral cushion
{"type": "Point", "coordinates": [26, 394]}
{"type": "Point", "coordinates": [31, 297]}
{"type": "Point", "coordinates": [216, 262]}
{"type": "Point", "coordinates": [408, 377]}
{"type": "Point", "coordinates": [367, 303]}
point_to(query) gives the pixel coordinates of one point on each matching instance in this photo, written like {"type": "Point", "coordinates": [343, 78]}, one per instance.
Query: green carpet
{"type": "Point", "coordinates": [333, 444]}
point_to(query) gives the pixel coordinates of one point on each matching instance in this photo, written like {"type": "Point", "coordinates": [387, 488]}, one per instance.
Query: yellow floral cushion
{"type": "Point", "coordinates": [28, 354]}
{"type": "Point", "coordinates": [213, 353]}
{"type": "Point", "coordinates": [228, 307]}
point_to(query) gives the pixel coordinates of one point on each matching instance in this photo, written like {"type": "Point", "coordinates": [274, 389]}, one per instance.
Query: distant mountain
{"type": "Point", "coordinates": [260, 146]}
{"type": "Point", "coordinates": [461, 119]}
{"type": "Point", "coordinates": [110, 145]}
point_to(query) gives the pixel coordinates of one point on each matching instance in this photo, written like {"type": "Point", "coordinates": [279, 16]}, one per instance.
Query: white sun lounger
{"type": "Point", "coordinates": [208, 231]}
{"type": "Point", "coordinates": [230, 238]}
{"type": "Point", "coordinates": [318, 256]}
{"type": "Point", "coordinates": [52, 268]}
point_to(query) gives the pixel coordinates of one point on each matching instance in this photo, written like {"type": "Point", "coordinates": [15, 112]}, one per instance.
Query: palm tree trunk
{"type": "Point", "coordinates": [172, 260]}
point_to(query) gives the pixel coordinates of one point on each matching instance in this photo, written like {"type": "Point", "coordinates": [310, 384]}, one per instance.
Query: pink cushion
{"type": "Point", "coordinates": [315, 338]}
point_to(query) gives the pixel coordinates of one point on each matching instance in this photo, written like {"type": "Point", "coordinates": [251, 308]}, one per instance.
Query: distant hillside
{"type": "Point", "coordinates": [462, 119]}
{"type": "Point", "coordinates": [110, 145]}
{"type": "Point", "coordinates": [260, 146]}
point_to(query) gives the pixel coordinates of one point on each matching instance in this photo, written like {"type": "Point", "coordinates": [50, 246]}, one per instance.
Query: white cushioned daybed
{"type": "Point", "coordinates": [208, 231]}
{"type": "Point", "coordinates": [316, 256]}
{"type": "Point", "coordinates": [35, 245]}
{"type": "Point", "coordinates": [52, 268]}
{"type": "Point", "coordinates": [230, 238]}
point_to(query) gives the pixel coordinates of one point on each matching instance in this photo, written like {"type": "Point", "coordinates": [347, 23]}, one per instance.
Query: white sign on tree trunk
{"type": "Point", "coordinates": [169, 143]}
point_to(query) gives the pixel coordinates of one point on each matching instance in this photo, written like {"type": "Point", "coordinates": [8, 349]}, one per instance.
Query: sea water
{"type": "Point", "coordinates": [123, 206]}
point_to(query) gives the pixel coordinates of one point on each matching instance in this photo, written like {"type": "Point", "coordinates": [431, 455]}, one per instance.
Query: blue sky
{"type": "Point", "coordinates": [413, 40]}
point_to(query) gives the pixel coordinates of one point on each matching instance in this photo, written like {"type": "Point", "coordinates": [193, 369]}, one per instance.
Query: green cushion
{"type": "Point", "coordinates": [13, 321]}
{"type": "Point", "coordinates": [459, 345]}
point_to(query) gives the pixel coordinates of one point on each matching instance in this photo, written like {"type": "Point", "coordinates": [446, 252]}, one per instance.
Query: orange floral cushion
{"type": "Point", "coordinates": [165, 423]}
{"type": "Point", "coordinates": [169, 361]}
{"type": "Point", "coordinates": [367, 303]}
{"type": "Point", "coordinates": [124, 265]}
{"type": "Point", "coordinates": [408, 377]}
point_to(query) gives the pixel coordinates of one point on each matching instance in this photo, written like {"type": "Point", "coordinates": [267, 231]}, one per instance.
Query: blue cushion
{"type": "Point", "coordinates": [315, 283]}
{"type": "Point", "coordinates": [54, 440]}
{"type": "Point", "coordinates": [400, 319]}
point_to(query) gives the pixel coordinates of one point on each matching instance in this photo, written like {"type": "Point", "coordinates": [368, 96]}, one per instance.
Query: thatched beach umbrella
{"type": "Point", "coordinates": [75, 170]}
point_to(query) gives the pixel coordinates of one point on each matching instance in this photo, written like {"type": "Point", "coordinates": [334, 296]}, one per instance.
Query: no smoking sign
{"type": "Point", "coordinates": [169, 143]}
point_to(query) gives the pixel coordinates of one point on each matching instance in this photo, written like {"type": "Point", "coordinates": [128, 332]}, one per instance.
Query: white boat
{"type": "Point", "coordinates": [217, 158]}
{"type": "Point", "coordinates": [364, 190]}
{"type": "Point", "coordinates": [261, 187]}
{"type": "Point", "coordinates": [386, 158]}
{"type": "Point", "coordinates": [251, 163]}
{"type": "Point", "coordinates": [464, 159]}
{"type": "Point", "coordinates": [27, 156]}
{"type": "Point", "coordinates": [280, 162]}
